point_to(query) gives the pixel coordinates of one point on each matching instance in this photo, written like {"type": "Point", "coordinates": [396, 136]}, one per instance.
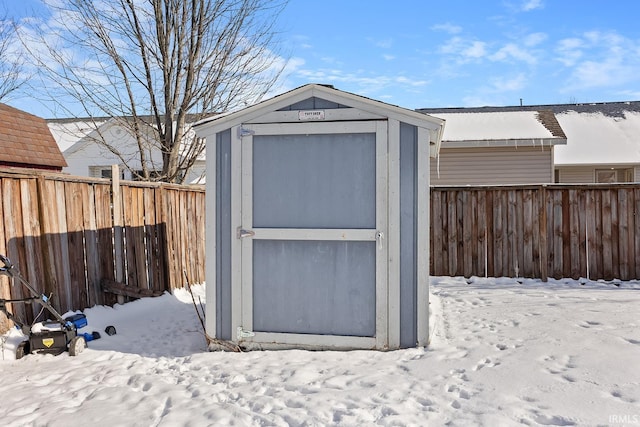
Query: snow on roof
{"type": "Point", "coordinates": [68, 132]}
{"type": "Point", "coordinates": [492, 126]}
{"type": "Point", "coordinates": [596, 138]}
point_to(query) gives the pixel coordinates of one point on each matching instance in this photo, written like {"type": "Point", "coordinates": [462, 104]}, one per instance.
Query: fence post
{"type": "Point", "coordinates": [117, 226]}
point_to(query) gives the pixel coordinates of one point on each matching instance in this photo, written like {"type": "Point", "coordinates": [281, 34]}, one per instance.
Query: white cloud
{"type": "Point", "coordinates": [534, 39]}
{"type": "Point", "coordinates": [610, 72]}
{"type": "Point", "coordinates": [599, 59]}
{"type": "Point", "coordinates": [569, 51]}
{"type": "Point", "coordinates": [411, 82]}
{"type": "Point", "coordinates": [512, 50]}
{"type": "Point", "coordinates": [361, 81]}
{"type": "Point", "coordinates": [447, 28]}
{"type": "Point", "coordinates": [388, 57]}
{"type": "Point", "coordinates": [465, 50]}
{"type": "Point", "coordinates": [476, 50]}
{"type": "Point", "coordinates": [529, 5]}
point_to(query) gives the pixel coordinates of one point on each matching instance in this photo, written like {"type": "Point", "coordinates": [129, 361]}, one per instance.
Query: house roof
{"type": "Point", "coordinates": [500, 128]}
{"type": "Point", "coordinates": [68, 132]}
{"type": "Point", "coordinates": [72, 133]}
{"type": "Point", "coordinates": [597, 138]}
{"type": "Point", "coordinates": [25, 141]}
{"type": "Point", "coordinates": [605, 133]}
{"type": "Point", "coordinates": [216, 124]}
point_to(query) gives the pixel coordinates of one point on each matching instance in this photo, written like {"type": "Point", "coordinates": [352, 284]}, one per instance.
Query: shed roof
{"type": "Point", "coordinates": [418, 119]}
{"type": "Point", "coordinates": [25, 141]}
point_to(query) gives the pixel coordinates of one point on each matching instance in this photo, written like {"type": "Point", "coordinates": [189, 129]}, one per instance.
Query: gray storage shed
{"type": "Point", "coordinates": [318, 222]}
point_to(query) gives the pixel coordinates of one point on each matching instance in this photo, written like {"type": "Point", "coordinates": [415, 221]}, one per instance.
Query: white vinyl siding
{"type": "Point", "coordinates": [488, 166]}
{"type": "Point", "coordinates": [587, 174]}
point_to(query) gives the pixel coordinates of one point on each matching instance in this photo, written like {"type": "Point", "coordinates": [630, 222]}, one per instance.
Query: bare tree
{"type": "Point", "coordinates": [11, 61]}
{"type": "Point", "coordinates": [158, 65]}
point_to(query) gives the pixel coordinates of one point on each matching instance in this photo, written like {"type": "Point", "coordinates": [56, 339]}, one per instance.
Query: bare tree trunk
{"type": "Point", "coordinates": [158, 66]}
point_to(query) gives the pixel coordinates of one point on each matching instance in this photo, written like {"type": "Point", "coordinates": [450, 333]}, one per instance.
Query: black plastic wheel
{"type": "Point", "coordinates": [76, 345]}
{"type": "Point", "coordinates": [110, 330]}
{"type": "Point", "coordinates": [22, 349]}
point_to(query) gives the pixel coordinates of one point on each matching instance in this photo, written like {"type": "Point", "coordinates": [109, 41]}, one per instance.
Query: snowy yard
{"type": "Point", "coordinates": [502, 353]}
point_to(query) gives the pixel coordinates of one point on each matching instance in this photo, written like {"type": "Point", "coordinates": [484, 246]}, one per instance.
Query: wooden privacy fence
{"type": "Point", "coordinates": [581, 231]}
{"type": "Point", "coordinates": [67, 235]}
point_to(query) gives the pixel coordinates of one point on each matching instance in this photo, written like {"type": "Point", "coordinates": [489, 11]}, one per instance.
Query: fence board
{"type": "Point", "coordinates": [636, 231]}
{"type": "Point", "coordinates": [481, 216]}
{"type": "Point", "coordinates": [580, 219]}
{"type": "Point", "coordinates": [90, 226]}
{"type": "Point", "coordinates": [458, 234]}
{"type": "Point", "coordinates": [5, 287]}
{"type": "Point", "coordinates": [623, 235]}
{"type": "Point", "coordinates": [519, 232]}
{"type": "Point", "coordinates": [528, 264]}
{"type": "Point", "coordinates": [511, 253]}
{"type": "Point", "coordinates": [607, 255]}
{"type": "Point", "coordinates": [76, 255]}
{"type": "Point", "coordinates": [104, 237]}
{"type": "Point", "coordinates": [436, 232]}
{"type": "Point", "coordinates": [13, 229]}
{"type": "Point", "coordinates": [615, 253]}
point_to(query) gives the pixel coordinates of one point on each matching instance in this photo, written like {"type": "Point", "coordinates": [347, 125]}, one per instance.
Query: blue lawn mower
{"type": "Point", "coordinates": [56, 336]}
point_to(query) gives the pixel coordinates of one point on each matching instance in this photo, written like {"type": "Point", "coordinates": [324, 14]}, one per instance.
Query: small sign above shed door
{"type": "Point", "coordinates": [313, 232]}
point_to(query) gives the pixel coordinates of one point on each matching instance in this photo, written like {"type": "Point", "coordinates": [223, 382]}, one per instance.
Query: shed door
{"type": "Point", "coordinates": [313, 233]}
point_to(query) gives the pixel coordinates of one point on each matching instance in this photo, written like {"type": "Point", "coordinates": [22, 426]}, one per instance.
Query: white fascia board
{"type": "Point", "coordinates": [597, 165]}
{"type": "Point", "coordinates": [216, 124]}
{"type": "Point", "coordinates": [529, 142]}
{"type": "Point", "coordinates": [404, 115]}
{"type": "Point", "coordinates": [421, 120]}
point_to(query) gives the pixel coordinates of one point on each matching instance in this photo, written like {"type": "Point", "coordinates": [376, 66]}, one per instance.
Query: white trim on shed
{"type": "Point", "coordinates": [403, 140]}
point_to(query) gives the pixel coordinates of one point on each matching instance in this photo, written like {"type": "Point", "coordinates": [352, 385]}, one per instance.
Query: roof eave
{"type": "Point", "coordinates": [217, 124]}
{"type": "Point", "coordinates": [520, 142]}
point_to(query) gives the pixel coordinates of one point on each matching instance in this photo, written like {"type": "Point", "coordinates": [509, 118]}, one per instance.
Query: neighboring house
{"type": "Point", "coordinates": [25, 142]}
{"type": "Point", "coordinates": [80, 141]}
{"type": "Point", "coordinates": [531, 144]}
{"type": "Point", "coordinates": [603, 139]}
{"type": "Point", "coordinates": [485, 148]}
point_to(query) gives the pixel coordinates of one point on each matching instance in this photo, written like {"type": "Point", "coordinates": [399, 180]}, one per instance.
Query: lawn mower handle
{"type": "Point", "coordinates": [9, 270]}
{"type": "Point", "coordinates": [8, 266]}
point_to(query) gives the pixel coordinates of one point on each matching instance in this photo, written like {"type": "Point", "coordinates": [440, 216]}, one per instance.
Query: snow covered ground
{"type": "Point", "coordinates": [503, 353]}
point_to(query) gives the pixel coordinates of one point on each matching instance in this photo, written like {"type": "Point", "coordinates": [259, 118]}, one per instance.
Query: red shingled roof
{"type": "Point", "coordinates": [25, 141]}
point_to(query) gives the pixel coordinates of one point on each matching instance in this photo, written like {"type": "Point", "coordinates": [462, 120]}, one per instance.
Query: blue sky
{"type": "Point", "coordinates": [457, 52]}
{"type": "Point", "coordinates": [469, 53]}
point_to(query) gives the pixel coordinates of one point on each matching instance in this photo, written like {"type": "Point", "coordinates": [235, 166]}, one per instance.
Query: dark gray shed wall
{"type": "Point", "coordinates": [408, 233]}
{"type": "Point", "coordinates": [223, 235]}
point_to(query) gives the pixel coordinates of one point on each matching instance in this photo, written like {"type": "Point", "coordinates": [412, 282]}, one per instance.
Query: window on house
{"type": "Point", "coordinates": [102, 172]}
{"type": "Point", "coordinates": [614, 175]}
